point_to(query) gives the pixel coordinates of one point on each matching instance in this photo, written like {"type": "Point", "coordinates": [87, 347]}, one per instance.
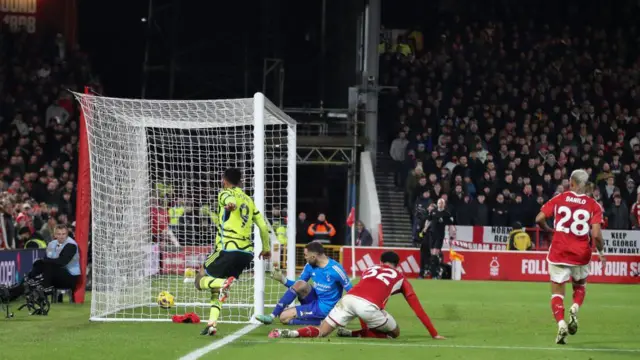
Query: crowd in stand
{"type": "Point", "coordinates": [39, 135]}
{"type": "Point", "coordinates": [495, 114]}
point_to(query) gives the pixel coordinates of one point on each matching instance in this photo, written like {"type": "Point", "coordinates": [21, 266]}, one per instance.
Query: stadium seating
{"type": "Point", "coordinates": [39, 124]}
{"type": "Point", "coordinates": [507, 109]}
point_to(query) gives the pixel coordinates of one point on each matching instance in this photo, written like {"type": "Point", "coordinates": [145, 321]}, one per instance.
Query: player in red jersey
{"type": "Point", "coordinates": [577, 220]}
{"type": "Point", "coordinates": [367, 301]}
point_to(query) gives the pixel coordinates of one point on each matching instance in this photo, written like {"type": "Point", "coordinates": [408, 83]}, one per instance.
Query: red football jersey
{"type": "Point", "coordinates": [159, 220]}
{"type": "Point", "coordinates": [573, 216]}
{"type": "Point", "coordinates": [379, 282]}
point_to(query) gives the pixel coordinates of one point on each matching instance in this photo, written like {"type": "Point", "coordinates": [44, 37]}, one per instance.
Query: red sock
{"type": "Point", "coordinates": [368, 333]}
{"type": "Point", "coordinates": [309, 332]}
{"type": "Point", "coordinates": [363, 330]}
{"type": "Point", "coordinates": [557, 307]}
{"type": "Point", "coordinates": [579, 291]}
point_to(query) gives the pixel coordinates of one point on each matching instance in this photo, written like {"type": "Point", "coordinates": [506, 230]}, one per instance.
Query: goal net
{"type": "Point", "coordinates": [156, 170]}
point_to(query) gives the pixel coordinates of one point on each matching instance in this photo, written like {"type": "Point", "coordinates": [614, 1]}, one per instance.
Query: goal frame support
{"type": "Point", "coordinates": [84, 211]}
{"type": "Point", "coordinates": [83, 204]}
{"type": "Point", "coordinates": [258, 199]}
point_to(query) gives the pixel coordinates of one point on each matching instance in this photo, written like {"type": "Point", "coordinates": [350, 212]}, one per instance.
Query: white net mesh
{"type": "Point", "coordinates": [156, 169]}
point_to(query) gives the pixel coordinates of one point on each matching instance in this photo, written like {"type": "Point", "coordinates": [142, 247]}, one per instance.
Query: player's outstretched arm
{"type": "Point", "coordinates": [280, 277]}
{"type": "Point", "coordinates": [414, 302]}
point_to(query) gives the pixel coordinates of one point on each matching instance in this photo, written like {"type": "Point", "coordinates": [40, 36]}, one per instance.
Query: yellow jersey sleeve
{"type": "Point", "coordinates": [264, 229]}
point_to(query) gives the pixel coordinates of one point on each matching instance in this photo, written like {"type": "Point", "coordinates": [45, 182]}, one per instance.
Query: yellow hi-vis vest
{"type": "Point", "coordinates": [404, 49]}
{"type": "Point", "coordinates": [174, 215]}
{"type": "Point", "coordinates": [520, 239]}
{"type": "Point", "coordinates": [205, 210]}
{"type": "Point", "coordinates": [281, 233]}
{"type": "Point", "coordinates": [41, 244]}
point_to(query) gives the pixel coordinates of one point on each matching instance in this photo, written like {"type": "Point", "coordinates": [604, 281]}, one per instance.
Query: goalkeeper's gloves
{"type": "Point", "coordinates": [277, 275]}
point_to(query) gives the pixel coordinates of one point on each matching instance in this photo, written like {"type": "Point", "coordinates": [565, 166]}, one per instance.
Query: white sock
{"type": "Point", "coordinates": [294, 333]}
{"type": "Point", "coordinates": [575, 308]}
{"type": "Point", "coordinates": [562, 324]}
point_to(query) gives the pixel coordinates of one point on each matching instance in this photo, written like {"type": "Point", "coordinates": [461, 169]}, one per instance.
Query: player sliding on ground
{"type": "Point", "coordinates": [574, 213]}
{"type": "Point", "coordinates": [329, 281]}
{"type": "Point", "coordinates": [233, 250]}
{"type": "Point", "coordinates": [366, 301]}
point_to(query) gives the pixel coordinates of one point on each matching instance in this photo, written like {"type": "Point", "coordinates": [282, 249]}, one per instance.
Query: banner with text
{"type": "Point", "coordinates": [175, 259]}
{"type": "Point", "coordinates": [14, 264]}
{"type": "Point", "coordinates": [496, 237]}
{"type": "Point", "coordinates": [501, 265]}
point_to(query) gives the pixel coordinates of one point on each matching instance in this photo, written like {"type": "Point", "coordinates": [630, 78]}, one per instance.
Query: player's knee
{"type": "Point", "coordinates": [301, 288]}
{"type": "Point", "coordinates": [285, 319]}
{"type": "Point", "coordinates": [395, 332]}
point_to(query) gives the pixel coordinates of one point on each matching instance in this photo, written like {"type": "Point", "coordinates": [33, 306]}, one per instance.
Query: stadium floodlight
{"type": "Point", "coordinates": [147, 156]}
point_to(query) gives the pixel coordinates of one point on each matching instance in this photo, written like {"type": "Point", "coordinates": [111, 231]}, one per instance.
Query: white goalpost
{"type": "Point", "coordinates": [156, 169]}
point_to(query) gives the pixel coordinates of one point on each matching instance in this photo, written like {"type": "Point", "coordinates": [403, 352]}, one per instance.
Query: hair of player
{"type": "Point", "coordinates": [580, 178]}
{"type": "Point", "coordinates": [233, 176]}
{"type": "Point", "coordinates": [390, 257]}
{"type": "Point", "coordinates": [315, 247]}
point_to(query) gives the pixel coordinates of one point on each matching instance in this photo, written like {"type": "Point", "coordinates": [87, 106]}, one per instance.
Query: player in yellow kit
{"type": "Point", "coordinates": [233, 250]}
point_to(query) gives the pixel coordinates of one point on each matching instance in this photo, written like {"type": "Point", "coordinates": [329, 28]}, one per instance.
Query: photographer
{"type": "Point", "coordinates": [321, 231]}
{"type": "Point", "coordinates": [61, 267]}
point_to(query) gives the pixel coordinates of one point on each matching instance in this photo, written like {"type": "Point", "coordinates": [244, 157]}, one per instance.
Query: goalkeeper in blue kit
{"type": "Point", "coordinates": [329, 281]}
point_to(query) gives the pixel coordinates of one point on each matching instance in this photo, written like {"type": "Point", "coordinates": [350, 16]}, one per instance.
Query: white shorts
{"type": "Point", "coordinates": [560, 274]}
{"type": "Point", "coordinates": [350, 307]}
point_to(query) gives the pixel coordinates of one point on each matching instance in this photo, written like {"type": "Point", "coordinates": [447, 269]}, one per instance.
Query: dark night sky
{"type": "Point", "coordinates": [114, 36]}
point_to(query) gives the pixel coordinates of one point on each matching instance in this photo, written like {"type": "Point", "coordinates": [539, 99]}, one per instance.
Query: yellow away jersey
{"type": "Point", "coordinates": [235, 227]}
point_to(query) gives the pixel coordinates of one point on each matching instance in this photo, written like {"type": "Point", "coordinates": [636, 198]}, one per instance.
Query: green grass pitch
{"type": "Point", "coordinates": [482, 320]}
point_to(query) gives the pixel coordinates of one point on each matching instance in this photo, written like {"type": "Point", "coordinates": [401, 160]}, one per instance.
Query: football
{"type": "Point", "coordinates": [165, 300]}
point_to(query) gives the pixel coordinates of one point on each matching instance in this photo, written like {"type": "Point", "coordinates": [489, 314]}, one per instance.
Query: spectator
{"type": "Point", "coordinates": [500, 212]}
{"type": "Point", "coordinates": [301, 234]}
{"type": "Point", "coordinates": [464, 214]}
{"type": "Point", "coordinates": [480, 211]}
{"type": "Point", "coordinates": [28, 240]}
{"type": "Point", "coordinates": [38, 146]}
{"type": "Point", "coordinates": [364, 236]}
{"type": "Point", "coordinates": [513, 109]}
{"type": "Point", "coordinates": [618, 214]}
{"type": "Point", "coordinates": [321, 231]}
{"type": "Point", "coordinates": [398, 151]}
{"type": "Point", "coordinates": [48, 228]}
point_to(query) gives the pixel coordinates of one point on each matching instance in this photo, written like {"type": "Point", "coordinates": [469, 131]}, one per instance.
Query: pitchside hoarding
{"type": "Point", "coordinates": [502, 265]}
{"type": "Point", "coordinates": [620, 242]}
{"type": "Point", "coordinates": [14, 264]}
